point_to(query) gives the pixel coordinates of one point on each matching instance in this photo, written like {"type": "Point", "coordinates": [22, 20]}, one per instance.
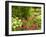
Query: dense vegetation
{"type": "Point", "coordinates": [26, 18]}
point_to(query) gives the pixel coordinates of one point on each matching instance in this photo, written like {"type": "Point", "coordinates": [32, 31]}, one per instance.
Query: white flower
{"type": "Point", "coordinates": [20, 20]}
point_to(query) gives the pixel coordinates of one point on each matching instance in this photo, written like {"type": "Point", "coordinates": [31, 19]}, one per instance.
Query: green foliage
{"type": "Point", "coordinates": [20, 13]}
{"type": "Point", "coordinates": [38, 19]}
{"type": "Point", "coordinates": [16, 23]}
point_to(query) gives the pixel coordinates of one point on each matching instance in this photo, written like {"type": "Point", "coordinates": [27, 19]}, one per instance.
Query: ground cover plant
{"type": "Point", "coordinates": [26, 18]}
